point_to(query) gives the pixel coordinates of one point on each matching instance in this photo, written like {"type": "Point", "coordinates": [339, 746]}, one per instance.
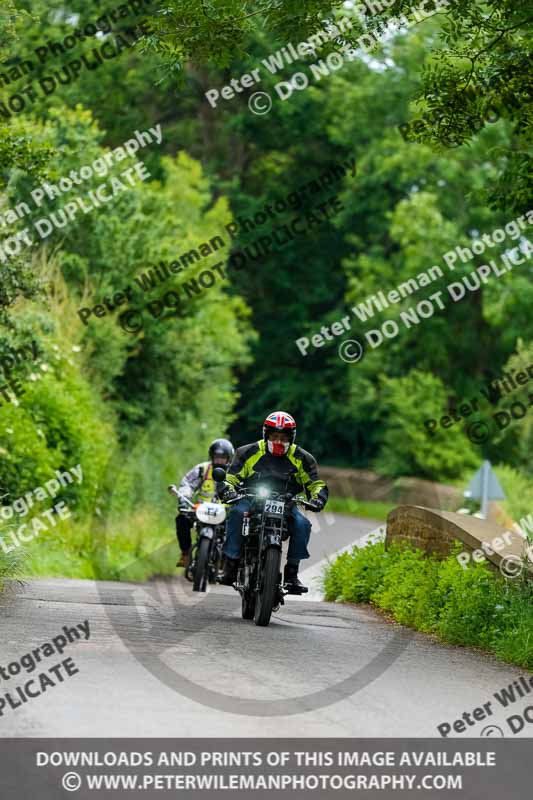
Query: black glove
{"type": "Point", "coordinates": [318, 503]}
{"type": "Point", "coordinates": [227, 494]}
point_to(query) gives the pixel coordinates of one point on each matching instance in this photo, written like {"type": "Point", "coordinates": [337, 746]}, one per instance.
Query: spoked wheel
{"type": "Point", "coordinates": [248, 604]}
{"type": "Point", "coordinates": [201, 568]}
{"type": "Point", "coordinates": [267, 597]}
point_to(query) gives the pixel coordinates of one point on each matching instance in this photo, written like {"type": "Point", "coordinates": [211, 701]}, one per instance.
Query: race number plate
{"type": "Point", "coordinates": [275, 507]}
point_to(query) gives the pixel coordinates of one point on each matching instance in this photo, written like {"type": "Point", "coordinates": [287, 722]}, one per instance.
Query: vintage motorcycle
{"type": "Point", "coordinates": [265, 528]}
{"type": "Point", "coordinates": [206, 553]}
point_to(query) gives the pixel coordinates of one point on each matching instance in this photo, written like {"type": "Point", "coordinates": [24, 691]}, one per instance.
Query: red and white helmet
{"type": "Point", "coordinates": [279, 421]}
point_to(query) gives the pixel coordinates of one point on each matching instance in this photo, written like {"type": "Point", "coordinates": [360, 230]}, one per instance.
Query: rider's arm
{"type": "Point", "coordinates": [191, 482]}
{"type": "Point", "coordinates": [308, 477]}
{"type": "Point", "coordinates": [241, 466]}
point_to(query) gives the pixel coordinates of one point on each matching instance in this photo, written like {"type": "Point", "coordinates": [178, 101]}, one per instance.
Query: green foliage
{"type": "Point", "coordinates": [44, 434]}
{"type": "Point", "coordinates": [468, 607]}
{"type": "Point", "coordinates": [353, 576]}
{"type": "Point", "coordinates": [208, 32]}
{"type": "Point", "coordinates": [518, 436]}
{"type": "Point", "coordinates": [11, 564]}
{"type": "Point", "coordinates": [96, 394]}
{"type": "Point", "coordinates": [406, 404]}
{"type": "Point", "coordinates": [370, 509]}
{"type": "Point", "coordinates": [478, 72]}
{"type": "Point", "coordinates": [518, 491]}
{"type": "Point", "coordinates": [151, 402]}
{"type": "Point", "coordinates": [136, 549]}
{"type": "Point", "coordinates": [406, 587]}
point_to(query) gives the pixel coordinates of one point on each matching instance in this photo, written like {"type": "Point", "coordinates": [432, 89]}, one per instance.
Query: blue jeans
{"type": "Point", "coordinates": [299, 532]}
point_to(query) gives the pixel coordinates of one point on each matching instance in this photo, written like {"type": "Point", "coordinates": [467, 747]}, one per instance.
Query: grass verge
{"type": "Point", "coordinates": [360, 508]}
{"type": "Point", "coordinates": [133, 548]}
{"type": "Point", "coordinates": [470, 607]}
{"type": "Point", "coordinates": [10, 566]}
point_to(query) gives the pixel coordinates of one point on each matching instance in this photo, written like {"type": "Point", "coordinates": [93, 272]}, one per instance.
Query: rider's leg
{"type": "Point", "coordinates": [183, 533]}
{"type": "Point", "coordinates": [233, 541]}
{"type": "Point", "coordinates": [299, 532]}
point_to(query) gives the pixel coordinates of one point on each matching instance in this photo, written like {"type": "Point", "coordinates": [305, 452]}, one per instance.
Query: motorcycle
{"type": "Point", "coordinates": [206, 553]}
{"type": "Point", "coordinates": [265, 528]}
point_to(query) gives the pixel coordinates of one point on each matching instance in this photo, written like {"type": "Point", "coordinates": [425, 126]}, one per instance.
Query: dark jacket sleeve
{"type": "Point", "coordinates": [237, 471]}
{"type": "Point", "coordinates": [308, 476]}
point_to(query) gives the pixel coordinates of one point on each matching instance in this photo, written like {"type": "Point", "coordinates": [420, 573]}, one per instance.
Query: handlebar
{"type": "Point", "coordinates": [173, 490]}
{"type": "Point", "coordinates": [287, 497]}
{"type": "Point", "coordinates": [306, 504]}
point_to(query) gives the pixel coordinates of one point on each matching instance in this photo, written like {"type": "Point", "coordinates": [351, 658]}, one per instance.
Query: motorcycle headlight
{"type": "Point", "coordinates": [263, 492]}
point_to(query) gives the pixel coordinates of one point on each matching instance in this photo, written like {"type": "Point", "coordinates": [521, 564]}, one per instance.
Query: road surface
{"type": "Point", "coordinates": [162, 661]}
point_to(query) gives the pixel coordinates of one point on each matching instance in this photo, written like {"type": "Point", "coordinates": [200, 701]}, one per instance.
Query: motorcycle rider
{"type": "Point", "coordinates": [285, 467]}
{"type": "Point", "coordinates": [198, 482]}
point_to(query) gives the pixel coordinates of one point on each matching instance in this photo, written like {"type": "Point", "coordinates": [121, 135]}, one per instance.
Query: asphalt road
{"type": "Point", "coordinates": [162, 661]}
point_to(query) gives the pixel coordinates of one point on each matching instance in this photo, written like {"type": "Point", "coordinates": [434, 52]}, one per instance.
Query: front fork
{"type": "Point", "coordinates": [194, 552]}
{"type": "Point", "coordinates": [271, 539]}
{"type": "Point", "coordinates": [247, 578]}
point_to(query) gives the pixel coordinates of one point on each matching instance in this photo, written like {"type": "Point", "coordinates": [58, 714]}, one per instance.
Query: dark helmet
{"type": "Point", "coordinates": [221, 449]}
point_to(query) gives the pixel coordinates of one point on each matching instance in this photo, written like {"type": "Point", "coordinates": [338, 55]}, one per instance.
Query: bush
{"type": "Point", "coordinates": [445, 455]}
{"type": "Point", "coordinates": [470, 607]}
{"type": "Point", "coordinates": [10, 564]}
{"type": "Point", "coordinates": [407, 585]}
{"type": "Point", "coordinates": [353, 576]}
{"type": "Point", "coordinates": [518, 489]}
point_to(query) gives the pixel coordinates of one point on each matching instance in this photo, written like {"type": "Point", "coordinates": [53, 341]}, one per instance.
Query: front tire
{"type": "Point", "coordinates": [268, 592]}
{"type": "Point", "coordinates": [248, 604]}
{"type": "Point", "coordinates": [201, 568]}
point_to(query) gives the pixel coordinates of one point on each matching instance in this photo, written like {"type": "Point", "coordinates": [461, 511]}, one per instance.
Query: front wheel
{"type": "Point", "coordinates": [201, 568]}
{"type": "Point", "coordinates": [248, 604]}
{"type": "Point", "coordinates": [267, 595]}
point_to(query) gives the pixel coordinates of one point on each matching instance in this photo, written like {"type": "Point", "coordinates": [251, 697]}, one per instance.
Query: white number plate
{"type": "Point", "coordinates": [276, 507]}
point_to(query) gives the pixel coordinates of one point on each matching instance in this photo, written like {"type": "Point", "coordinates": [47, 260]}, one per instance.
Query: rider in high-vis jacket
{"type": "Point", "coordinates": [285, 467]}
{"type": "Point", "coordinates": [199, 483]}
